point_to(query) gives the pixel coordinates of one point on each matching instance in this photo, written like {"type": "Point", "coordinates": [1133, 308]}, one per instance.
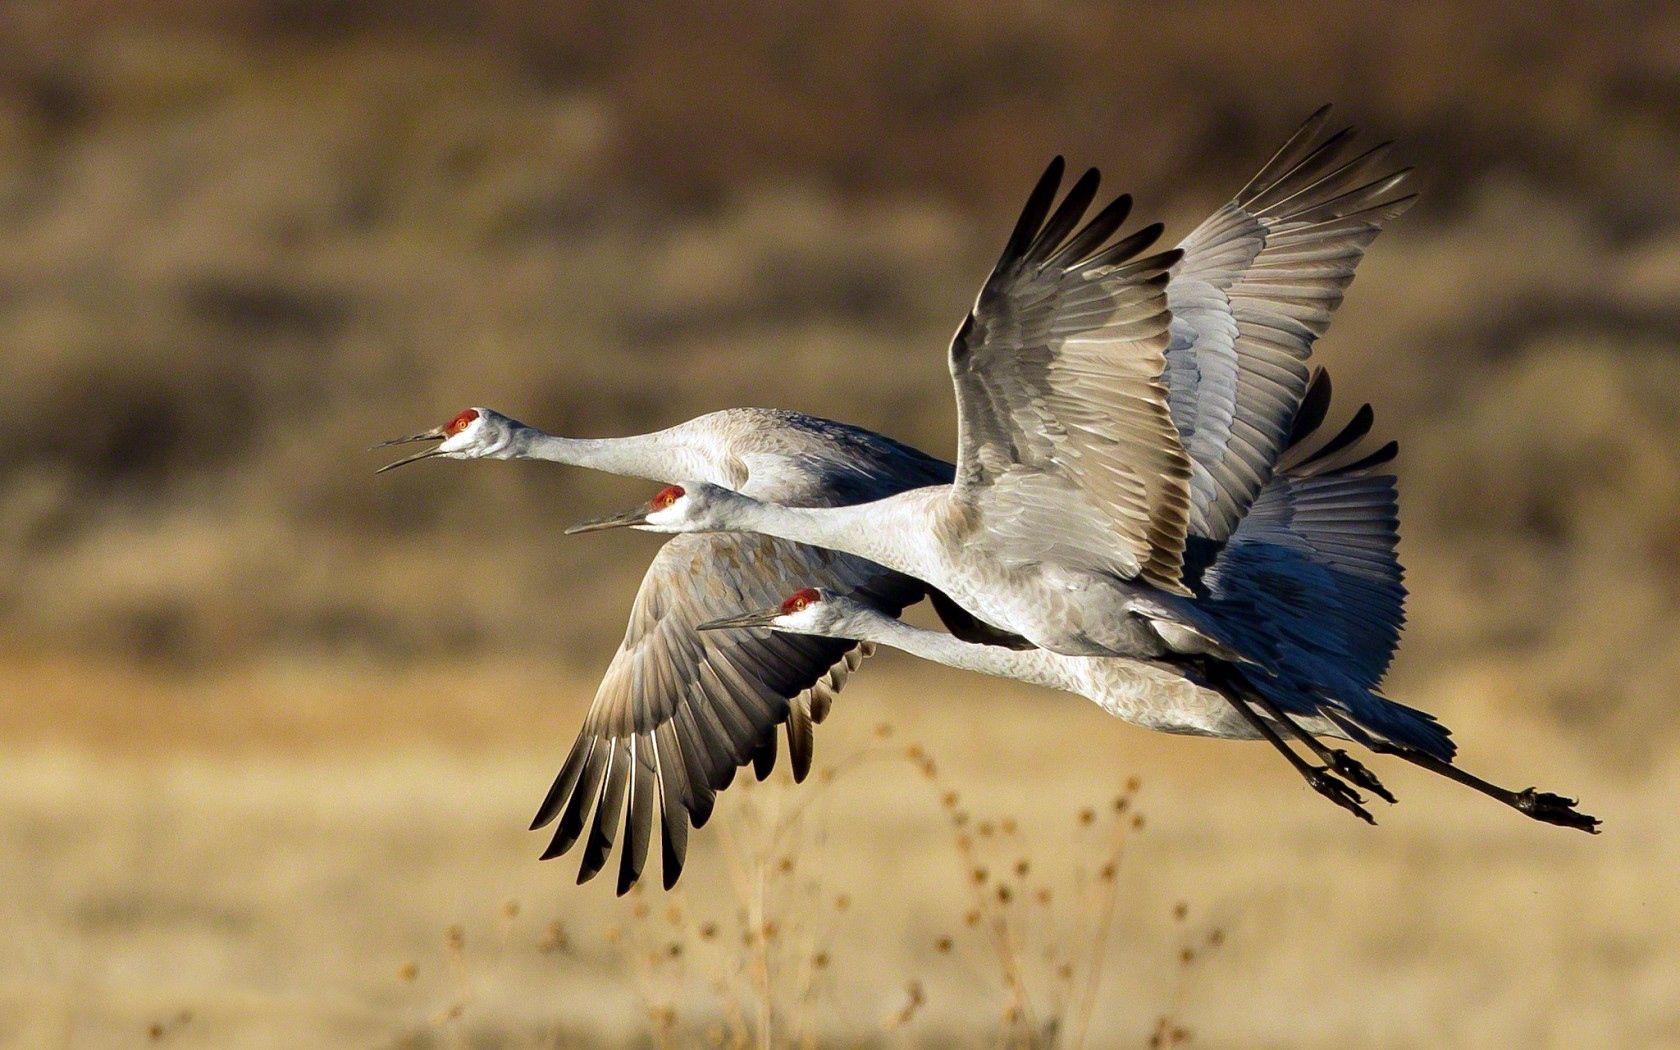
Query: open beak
{"type": "Point", "coordinates": [435, 434]}
{"type": "Point", "coordinates": [764, 618]}
{"type": "Point", "coordinates": [622, 520]}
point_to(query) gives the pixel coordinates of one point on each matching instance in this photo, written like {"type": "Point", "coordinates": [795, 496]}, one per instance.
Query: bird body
{"type": "Point", "coordinates": [1081, 398]}
{"type": "Point", "coordinates": [1120, 416]}
{"type": "Point", "coordinates": [790, 457]}
{"type": "Point", "coordinates": [678, 711]}
{"type": "Point", "coordinates": [930, 535]}
{"type": "Point", "coordinates": [1143, 693]}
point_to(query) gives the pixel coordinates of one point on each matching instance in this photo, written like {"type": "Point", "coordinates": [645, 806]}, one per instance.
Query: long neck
{"type": "Point", "coordinates": [660, 456]}
{"type": "Point", "coordinates": [1036, 666]}
{"type": "Point", "coordinates": [893, 531]}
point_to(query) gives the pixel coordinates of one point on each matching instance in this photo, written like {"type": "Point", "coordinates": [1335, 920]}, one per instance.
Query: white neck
{"type": "Point", "coordinates": [1035, 666]}
{"type": "Point", "coordinates": [660, 456]}
{"type": "Point", "coordinates": [1133, 691]}
{"type": "Point", "coordinates": [894, 532]}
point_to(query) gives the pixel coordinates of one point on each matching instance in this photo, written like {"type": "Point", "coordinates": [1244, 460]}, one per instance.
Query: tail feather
{"type": "Point", "coordinates": [1360, 710]}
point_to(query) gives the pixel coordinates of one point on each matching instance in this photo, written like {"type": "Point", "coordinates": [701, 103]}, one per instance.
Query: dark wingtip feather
{"type": "Point", "coordinates": [1315, 405]}
{"type": "Point", "coordinates": [1067, 215]}
{"type": "Point", "coordinates": [700, 808]}
{"type": "Point", "coordinates": [1383, 455]}
{"type": "Point", "coordinates": [1033, 214]}
{"type": "Point", "coordinates": [764, 756]}
{"type": "Point", "coordinates": [1102, 226]}
{"type": "Point", "coordinates": [607, 813]}
{"type": "Point", "coordinates": [673, 848]}
{"type": "Point", "coordinates": [638, 823]}
{"type": "Point", "coordinates": [1356, 428]}
{"type": "Point", "coordinates": [554, 849]}
{"type": "Point", "coordinates": [583, 796]}
{"type": "Point", "coordinates": [564, 781]}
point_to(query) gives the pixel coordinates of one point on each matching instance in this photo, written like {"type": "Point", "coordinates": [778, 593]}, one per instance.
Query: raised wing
{"type": "Point", "coordinates": [1061, 408]}
{"type": "Point", "coordinates": [1255, 288]}
{"type": "Point", "coordinates": [679, 710]}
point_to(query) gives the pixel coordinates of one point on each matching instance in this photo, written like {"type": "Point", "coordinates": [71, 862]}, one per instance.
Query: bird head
{"type": "Point", "coordinates": [809, 610]}
{"type": "Point", "coordinates": [474, 433]}
{"type": "Point", "coordinates": [692, 506]}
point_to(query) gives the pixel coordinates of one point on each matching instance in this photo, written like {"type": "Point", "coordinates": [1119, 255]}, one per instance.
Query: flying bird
{"type": "Point", "coordinates": [1324, 529]}
{"type": "Point", "coordinates": [678, 711]}
{"type": "Point", "coordinates": [1091, 477]}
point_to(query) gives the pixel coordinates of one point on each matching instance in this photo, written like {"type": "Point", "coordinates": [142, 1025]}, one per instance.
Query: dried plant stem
{"type": "Point", "coordinates": [1086, 1003]}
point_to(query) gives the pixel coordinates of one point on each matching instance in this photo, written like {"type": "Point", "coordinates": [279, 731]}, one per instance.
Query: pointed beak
{"type": "Point", "coordinates": [435, 434]}
{"type": "Point", "coordinates": [764, 618]}
{"type": "Point", "coordinates": [622, 520]}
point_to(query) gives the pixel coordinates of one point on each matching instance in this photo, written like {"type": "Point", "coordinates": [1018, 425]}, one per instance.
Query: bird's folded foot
{"type": "Point", "coordinates": [1345, 765]}
{"type": "Point", "coordinates": [1325, 783]}
{"type": "Point", "coordinates": [1555, 809]}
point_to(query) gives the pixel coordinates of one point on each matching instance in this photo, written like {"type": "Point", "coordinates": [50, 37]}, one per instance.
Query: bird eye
{"type": "Point", "coordinates": [666, 497]}
{"type": "Point", "coordinates": [799, 601]}
{"type": "Point", "coordinates": [460, 422]}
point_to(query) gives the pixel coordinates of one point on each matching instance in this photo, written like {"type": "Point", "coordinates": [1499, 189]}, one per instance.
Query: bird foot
{"type": "Point", "coordinates": [1555, 809]}
{"type": "Point", "coordinates": [1345, 765]}
{"type": "Point", "coordinates": [1324, 782]}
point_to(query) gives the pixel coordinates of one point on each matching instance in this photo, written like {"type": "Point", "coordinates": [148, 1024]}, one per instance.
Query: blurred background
{"type": "Point", "coordinates": [271, 728]}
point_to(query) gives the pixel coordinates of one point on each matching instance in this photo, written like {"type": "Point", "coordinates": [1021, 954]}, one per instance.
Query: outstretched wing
{"type": "Point", "coordinates": [1062, 412]}
{"type": "Point", "coordinates": [1255, 288]}
{"type": "Point", "coordinates": [1313, 569]}
{"type": "Point", "coordinates": [680, 710]}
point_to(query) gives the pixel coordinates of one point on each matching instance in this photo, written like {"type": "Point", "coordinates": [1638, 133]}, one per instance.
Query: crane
{"type": "Point", "coordinates": [691, 707]}
{"type": "Point", "coordinates": [678, 712]}
{"type": "Point", "coordinates": [1083, 472]}
{"type": "Point", "coordinates": [1325, 525]}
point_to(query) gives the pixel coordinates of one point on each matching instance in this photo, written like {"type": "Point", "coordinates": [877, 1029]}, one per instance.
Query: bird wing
{"type": "Point", "coordinates": [1062, 411]}
{"type": "Point", "coordinates": [1312, 572]}
{"type": "Point", "coordinates": [679, 710]}
{"type": "Point", "coordinates": [1255, 288]}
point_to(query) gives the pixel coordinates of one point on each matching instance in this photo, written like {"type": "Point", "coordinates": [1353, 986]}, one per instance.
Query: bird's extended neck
{"type": "Point", "coordinates": [1036, 666]}
{"type": "Point", "coordinates": [662, 456]}
{"type": "Point", "coordinates": [893, 532]}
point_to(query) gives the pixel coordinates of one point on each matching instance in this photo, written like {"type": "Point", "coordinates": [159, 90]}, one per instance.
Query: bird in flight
{"type": "Point", "coordinates": [679, 710]}
{"type": "Point", "coordinates": [1099, 492]}
{"type": "Point", "coordinates": [1324, 527]}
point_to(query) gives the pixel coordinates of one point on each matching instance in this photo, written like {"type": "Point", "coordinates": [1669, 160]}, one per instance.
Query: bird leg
{"type": "Point", "coordinates": [1538, 805]}
{"type": "Point", "coordinates": [1336, 759]}
{"type": "Point", "coordinates": [1322, 779]}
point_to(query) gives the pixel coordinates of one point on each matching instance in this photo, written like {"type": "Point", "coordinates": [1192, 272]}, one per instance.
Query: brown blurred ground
{"type": "Point", "coordinates": [243, 241]}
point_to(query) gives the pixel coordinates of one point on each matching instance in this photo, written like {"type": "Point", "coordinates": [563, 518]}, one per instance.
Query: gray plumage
{"type": "Point", "coordinates": [1317, 552]}
{"type": "Point", "coordinates": [679, 711]}
{"type": "Point", "coordinates": [1119, 411]}
{"type": "Point", "coordinates": [1255, 287]}
{"type": "Point", "coordinates": [1102, 437]}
